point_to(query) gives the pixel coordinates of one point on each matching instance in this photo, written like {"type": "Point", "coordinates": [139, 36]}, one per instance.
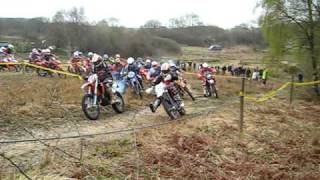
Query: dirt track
{"type": "Point", "coordinates": [73, 123]}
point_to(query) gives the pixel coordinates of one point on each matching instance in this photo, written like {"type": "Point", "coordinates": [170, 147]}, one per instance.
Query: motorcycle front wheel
{"type": "Point", "coordinates": [214, 90]}
{"type": "Point", "coordinates": [42, 73]}
{"type": "Point", "coordinates": [90, 110]}
{"type": "Point", "coordinates": [173, 113]}
{"type": "Point", "coordinates": [118, 106]}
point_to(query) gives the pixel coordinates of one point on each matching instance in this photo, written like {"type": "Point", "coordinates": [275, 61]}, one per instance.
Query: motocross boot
{"type": "Point", "coordinates": [153, 106]}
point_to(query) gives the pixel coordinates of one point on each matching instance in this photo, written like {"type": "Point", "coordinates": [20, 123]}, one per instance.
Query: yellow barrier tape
{"type": "Point", "coordinates": [44, 68]}
{"type": "Point", "coordinates": [274, 92]}
{"type": "Point", "coordinates": [54, 71]}
{"type": "Point", "coordinates": [307, 83]}
{"type": "Point", "coordinates": [10, 63]}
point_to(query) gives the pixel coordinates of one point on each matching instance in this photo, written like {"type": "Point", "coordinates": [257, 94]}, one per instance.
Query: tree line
{"type": "Point", "coordinates": [69, 30]}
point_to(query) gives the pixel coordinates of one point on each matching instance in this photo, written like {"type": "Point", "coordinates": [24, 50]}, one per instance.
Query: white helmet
{"type": "Point", "coordinates": [117, 55]}
{"type": "Point", "coordinates": [46, 51]}
{"type": "Point", "coordinates": [90, 54]}
{"type": "Point", "coordinates": [10, 46]}
{"type": "Point", "coordinates": [165, 68]}
{"type": "Point", "coordinates": [51, 48]}
{"type": "Point", "coordinates": [148, 61]}
{"type": "Point", "coordinates": [96, 58]}
{"type": "Point", "coordinates": [130, 60]}
{"type": "Point", "coordinates": [105, 56]}
{"type": "Point", "coordinates": [76, 54]}
{"type": "Point", "coordinates": [205, 65]}
{"type": "Point", "coordinates": [172, 64]}
{"type": "Point", "coordinates": [34, 50]}
{"type": "Point", "coordinates": [154, 63]}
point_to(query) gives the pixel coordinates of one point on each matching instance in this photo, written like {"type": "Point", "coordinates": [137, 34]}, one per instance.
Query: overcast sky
{"type": "Point", "coordinates": [134, 13]}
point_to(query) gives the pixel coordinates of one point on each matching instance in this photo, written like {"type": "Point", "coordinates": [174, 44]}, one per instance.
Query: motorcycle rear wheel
{"type": "Point", "coordinates": [186, 89]}
{"type": "Point", "coordinates": [88, 98]}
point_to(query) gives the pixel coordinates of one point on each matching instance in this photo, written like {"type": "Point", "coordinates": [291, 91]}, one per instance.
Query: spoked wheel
{"type": "Point", "coordinates": [90, 110]}
{"type": "Point", "coordinates": [138, 90]}
{"type": "Point", "coordinates": [173, 113]}
{"type": "Point", "coordinates": [29, 69]}
{"type": "Point", "coordinates": [214, 91]}
{"type": "Point", "coordinates": [118, 106]}
{"type": "Point", "coordinates": [42, 73]}
{"type": "Point", "coordinates": [208, 91]}
{"type": "Point", "coordinates": [182, 111]}
{"type": "Point", "coordinates": [62, 75]}
{"type": "Point", "coordinates": [13, 68]}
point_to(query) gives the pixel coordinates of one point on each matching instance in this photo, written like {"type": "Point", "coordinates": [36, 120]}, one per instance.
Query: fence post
{"type": "Point", "coordinates": [23, 68]}
{"type": "Point", "coordinates": [242, 105]}
{"type": "Point", "coordinates": [291, 91]}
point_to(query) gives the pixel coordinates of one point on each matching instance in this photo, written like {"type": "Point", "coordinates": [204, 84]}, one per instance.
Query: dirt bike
{"type": "Point", "coordinates": [134, 83]}
{"type": "Point", "coordinates": [170, 105]}
{"type": "Point", "coordinates": [30, 69]}
{"type": "Point", "coordinates": [96, 94]}
{"type": "Point", "coordinates": [210, 86]}
{"type": "Point", "coordinates": [76, 67]}
{"type": "Point", "coordinates": [143, 73]}
{"type": "Point", "coordinates": [52, 64]}
{"type": "Point", "coordinates": [10, 67]}
{"type": "Point", "coordinates": [183, 87]}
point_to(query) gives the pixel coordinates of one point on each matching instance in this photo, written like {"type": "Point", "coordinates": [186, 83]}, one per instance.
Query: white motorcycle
{"type": "Point", "coordinates": [173, 108]}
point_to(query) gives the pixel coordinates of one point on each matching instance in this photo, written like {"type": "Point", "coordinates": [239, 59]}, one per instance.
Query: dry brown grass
{"type": "Point", "coordinates": [278, 143]}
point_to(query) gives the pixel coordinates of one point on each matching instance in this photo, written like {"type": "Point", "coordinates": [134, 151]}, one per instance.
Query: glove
{"type": "Point", "coordinates": [150, 90]}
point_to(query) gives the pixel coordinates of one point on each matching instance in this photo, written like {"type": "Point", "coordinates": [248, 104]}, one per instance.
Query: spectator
{"type": "Point", "coordinates": [265, 75]}
{"type": "Point", "coordinates": [300, 77]}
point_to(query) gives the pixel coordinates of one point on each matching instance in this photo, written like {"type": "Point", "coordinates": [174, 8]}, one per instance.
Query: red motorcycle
{"type": "Point", "coordinates": [96, 94]}
{"type": "Point", "coordinates": [76, 66]}
{"type": "Point", "coordinates": [51, 64]}
{"type": "Point", "coordinates": [144, 73]}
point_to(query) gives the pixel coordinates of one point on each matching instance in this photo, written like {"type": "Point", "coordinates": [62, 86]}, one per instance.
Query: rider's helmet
{"type": "Point", "coordinates": [130, 60]}
{"type": "Point", "coordinates": [154, 63]}
{"type": "Point", "coordinates": [10, 46]}
{"type": "Point", "coordinates": [34, 50]}
{"type": "Point", "coordinates": [76, 54]}
{"type": "Point", "coordinates": [148, 61]}
{"type": "Point", "coordinates": [51, 48]}
{"type": "Point", "coordinates": [90, 54]}
{"type": "Point", "coordinates": [205, 65]}
{"type": "Point", "coordinates": [117, 56]}
{"type": "Point", "coordinates": [96, 59]}
{"type": "Point", "coordinates": [80, 53]}
{"type": "Point", "coordinates": [105, 56]}
{"type": "Point", "coordinates": [165, 68]}
{"type": "Point", "coordinates": [172, 64]}
{"type": "Point", "coordinates": [46, 51]}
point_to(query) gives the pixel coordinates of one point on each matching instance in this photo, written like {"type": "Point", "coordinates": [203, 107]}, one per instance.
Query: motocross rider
{"type": "Point", "coordinates": [147, 64]}
{"type": "Point", "coordinates": [154, 71]}
{"type": "Point", "coordinates": [104, 75]}
{"type": "Point", "coordinates": [34, 55]}
{"type": "Point", "coordinates": [167, 77]}
{"type": "Point", "coordinates": [202, 75]}
{"type": "Point", "coordinates": [132, 66]}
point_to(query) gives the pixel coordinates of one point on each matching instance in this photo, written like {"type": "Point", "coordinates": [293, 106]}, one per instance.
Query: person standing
{"type": "Point", "coordinates": [265, 75]}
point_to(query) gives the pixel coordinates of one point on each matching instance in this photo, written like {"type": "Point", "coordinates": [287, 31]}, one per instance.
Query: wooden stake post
{"type": "Point", "coordinates": [242, 104]}
{"type": "Point", "coordinates": [291, 91]}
